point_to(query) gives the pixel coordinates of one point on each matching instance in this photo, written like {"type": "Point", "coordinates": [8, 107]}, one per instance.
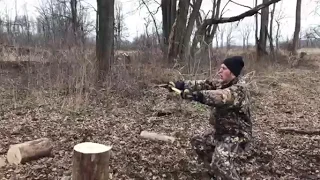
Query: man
{"type": "Point", "coordinates": [230, 117]}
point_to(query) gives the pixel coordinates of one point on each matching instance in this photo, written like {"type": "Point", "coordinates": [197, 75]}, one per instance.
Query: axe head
{"type": "Point", "coordinates": [169, 87]}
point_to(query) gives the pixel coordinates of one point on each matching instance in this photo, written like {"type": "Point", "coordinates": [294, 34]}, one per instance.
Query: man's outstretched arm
{"type": "Point", "coordinates": [197, 85]}
{"type": "Point", "coordinates": [232, 96]}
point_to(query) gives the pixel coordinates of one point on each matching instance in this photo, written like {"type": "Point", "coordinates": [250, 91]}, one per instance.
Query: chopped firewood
{"type": "Point", "coordinates": [156, 136]}
{"type": "Point", "coordinates": [30, 150]}
{"type": "Point", "coordinates": [91, 161]}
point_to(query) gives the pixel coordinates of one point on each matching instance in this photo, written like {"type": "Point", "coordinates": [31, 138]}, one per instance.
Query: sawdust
{"type": "Point", "coordinates": [282, 99]}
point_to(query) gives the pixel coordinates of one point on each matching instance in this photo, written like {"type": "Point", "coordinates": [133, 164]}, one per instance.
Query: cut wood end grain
{"type": "Point", "coordinates": [91, 148]}
{"type": "Point", "coordinates": [91, 161]}
{"type": "Point", "coordinates": [30, 150]}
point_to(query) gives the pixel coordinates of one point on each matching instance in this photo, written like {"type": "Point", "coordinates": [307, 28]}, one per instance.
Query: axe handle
{"type": "Point", "coordinates": [178, 91]}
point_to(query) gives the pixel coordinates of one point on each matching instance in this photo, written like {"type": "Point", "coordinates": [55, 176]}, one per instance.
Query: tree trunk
{"type": "Point", "coordinates": [206, 33]}
{"type": "Point", "coordinates": [247, 40]}
{"type": "Point", "coordinates": [217, 41]}
{"type": "Point", "coordinates": [271, 32]}
{"type": "Point", "coordinates": [297, 28]}
{"type": "Point", "coordinates": [90, 161]}
{"type": "Point", "coordinates": [105, 37]}
{"type": "Point", "coordinates": [212, 29]}
{"type": "Point", "coordinates": [178, 31]}
{"type": "Point", "coordinates": [73, 5]}
{"type": "Point", "coordinates": [257, 25]}
{"type": "Point", "coordinates": [277, 35]}
{"type": "Point", "coordinates": [221, 38]}
{"type": "Point", "coordinates": [169, 11]}
{"type": "Point", "coordinates": [243, 43]}
{"type": "Point", "coordinates": [30, 150]}
{"type": "Point", "coordinates": [194, 14]}
{"type": "Point", "coordinates": [262, 44]}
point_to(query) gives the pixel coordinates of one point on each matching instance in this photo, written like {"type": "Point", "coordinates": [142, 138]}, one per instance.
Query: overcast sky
{"type": "Point", "coordinates": [134, 18]}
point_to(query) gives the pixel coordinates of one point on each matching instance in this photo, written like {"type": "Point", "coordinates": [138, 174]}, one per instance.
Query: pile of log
{"type": "Point", "coordinates": [90, 160]}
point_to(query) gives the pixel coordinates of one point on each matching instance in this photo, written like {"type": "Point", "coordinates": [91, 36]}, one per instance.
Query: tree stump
{"type": "Point", "coordinates": [30, 150]}
{"type": "Point", "coordinates": [90, 161]}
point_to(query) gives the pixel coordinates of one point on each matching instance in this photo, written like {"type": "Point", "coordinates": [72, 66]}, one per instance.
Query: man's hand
{"type": "Point", "coordinates": [186, 94]}
{"type": "Point", "coordinates": [192, 95]}
{"type": "Point", "coordinates": [178, 84]}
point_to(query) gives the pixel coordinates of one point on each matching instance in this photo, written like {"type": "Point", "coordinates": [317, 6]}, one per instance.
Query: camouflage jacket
{"type": "Point", "coordinates": [230, 106]}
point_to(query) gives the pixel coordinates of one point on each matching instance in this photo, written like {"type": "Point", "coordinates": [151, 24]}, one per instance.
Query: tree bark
{"type": "Point", "coordinates": [90, 161]}
{"type": "Point", "coordinates": [211, 31]}
{"type": "Point", "coordinates": [271, 32]}
{"type": "Point", "coordinates": [257, 25]}
{"type": "Point", "coordinates": [195, 12]}
{"type": "Point", "coordinates": [296, 29]}
{"type": "Point", "coordinates": [169, 11]}
{"type": "Point", "coordinates": [277, 35]}
{"type": "Point", "coordinates": [73, 5]}
{"type": "Point", "coordinates": [178, 31]}
{"type": "Point", "coordinates": [105, 37]}
{"type": "Point", "coordinates": [262, 45]}
{"type": "Point", "coordinates": [206, 32]}
{"type": "Point", "coordinates": [30, 150]}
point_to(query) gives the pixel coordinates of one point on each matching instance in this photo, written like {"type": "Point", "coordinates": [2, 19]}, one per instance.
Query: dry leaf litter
{"type": "Point", "coordinates": [285, 99]}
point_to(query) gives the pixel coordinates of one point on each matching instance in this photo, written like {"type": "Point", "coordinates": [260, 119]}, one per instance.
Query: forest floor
{"type": "Point", "coordinates": [287, 97]}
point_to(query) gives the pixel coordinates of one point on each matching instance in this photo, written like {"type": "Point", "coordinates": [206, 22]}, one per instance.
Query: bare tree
{"type": "Point", "coordinates": [262, 43]}
{"type": "Point", "coordinates": [297, 28]}
{"type": "Point", "coordinates": [105, 37]}
{"type": "Point", "coordinates": [152, 14]}
{"type": "Point", "coordinates": [178, 31]}
{"type": "Point", "coordinates": [280, 16]}
{"type": "Point", "coordinates": [169, 12]}
{"type": "Point", "coordinates": [245, 31]}
{"type": "Point", "coordinates": [257, 27]}
{"type": "Point", "coordinates": [119, 24]}
{"type": "Point", "coordinates": [223, 29]}
{"type": "Point", "coordinates": [194, 14]}
{"type": "Point", "coordinates": [229, 36]}
{"type": "Point", "coordinates": [74, 18]}
{"type": "Point", "coordinates": [204, 33]}
{"type": "Point", "coordinates": [271, 32]}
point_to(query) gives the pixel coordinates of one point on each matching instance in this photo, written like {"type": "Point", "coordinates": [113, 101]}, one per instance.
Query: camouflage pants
{"type": "Point", "coordinates": [218, 156]}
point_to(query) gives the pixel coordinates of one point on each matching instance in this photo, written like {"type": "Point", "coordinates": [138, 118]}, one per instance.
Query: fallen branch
{"type": "Point", "coordinates": [248, 13]}
{"type": "Point", "coordinates": [156, 136]}
{"type": "Point", "coordinates": [298, 131]}
{"type": "Point", "coordinates": [30, 150]}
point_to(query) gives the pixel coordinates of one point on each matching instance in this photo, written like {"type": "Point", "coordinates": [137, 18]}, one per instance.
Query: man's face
{"type": "Point", "coordinates": [225, 74]}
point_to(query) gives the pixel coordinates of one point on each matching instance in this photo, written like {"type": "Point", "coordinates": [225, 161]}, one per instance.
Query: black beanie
{"type": "Point", "coordinates": [234, 64]}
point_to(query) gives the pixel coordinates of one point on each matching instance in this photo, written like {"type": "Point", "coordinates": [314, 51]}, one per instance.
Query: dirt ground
{"type": "Point", "coordinates": [284, 98]}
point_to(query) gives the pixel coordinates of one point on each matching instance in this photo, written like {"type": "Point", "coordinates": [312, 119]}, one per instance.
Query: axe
{"type": "Point", "coordinates": [178, 91]}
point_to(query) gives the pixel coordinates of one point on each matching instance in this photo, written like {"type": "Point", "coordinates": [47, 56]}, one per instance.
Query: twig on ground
{"type": "Point", "coordinates": [293, 130]}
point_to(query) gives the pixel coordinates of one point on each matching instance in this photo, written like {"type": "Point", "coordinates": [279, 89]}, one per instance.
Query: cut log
{"type": "Point", "coordinates": [156, 136]}
{"type": "Point", "coordinates": [298, 131]}
{"type": "Point", "coordinates": [30, 150]}
{"type": "Point", "coordinates": [90, 161]}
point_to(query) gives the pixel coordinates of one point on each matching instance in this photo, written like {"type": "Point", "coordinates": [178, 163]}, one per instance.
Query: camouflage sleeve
{"type": "Point", "coordinates": [198, 85]}
{"type": "Point", "coordinates": [232, 96]}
